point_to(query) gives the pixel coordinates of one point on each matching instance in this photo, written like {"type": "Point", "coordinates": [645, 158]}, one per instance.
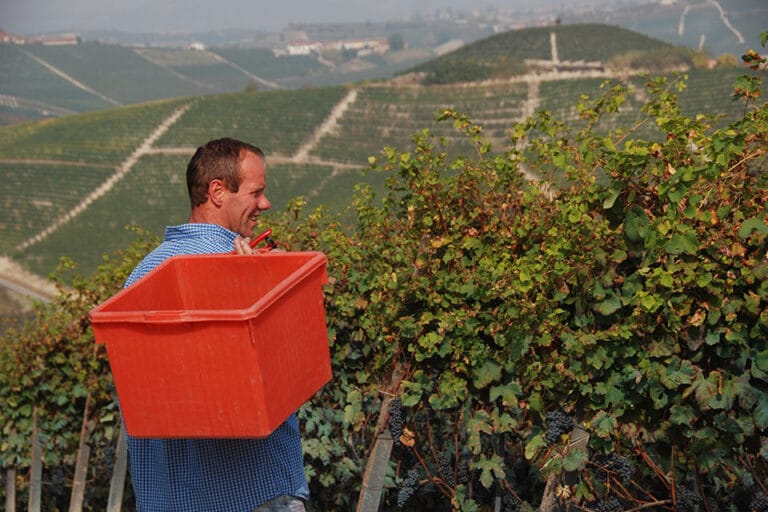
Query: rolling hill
{"type": "Point", "coordinates": [71, 184]}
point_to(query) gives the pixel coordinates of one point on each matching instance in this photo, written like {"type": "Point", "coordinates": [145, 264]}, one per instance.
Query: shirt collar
{"type": "Point", "coordinates": [191, 230]}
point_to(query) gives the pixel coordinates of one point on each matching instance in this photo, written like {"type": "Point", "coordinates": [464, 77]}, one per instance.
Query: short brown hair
{"type": "Point", "coordinates": [217, 159]}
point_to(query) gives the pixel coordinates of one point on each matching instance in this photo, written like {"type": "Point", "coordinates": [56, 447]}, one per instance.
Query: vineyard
{"type": "Point", "coordinates": [599, 343]}
{"type": "Point", "coordinates": [104, 137]}
{"type": "Point", "coordinates": [91, 75]}
{"type": "Point", "coordinates": [600, 346]}
{"type": "Point", "coordinates": [280, 122]}
{"type": "Point", "coordinates": [116, 72]}
{"type": "Point", "coordinates": [263, 63]}
{"type": "Point", "coordinates": [399, 112]}
{"type": "Point", "coordinates": [21, 76]}
{"type": "Point", "coordinates": [35, 194]}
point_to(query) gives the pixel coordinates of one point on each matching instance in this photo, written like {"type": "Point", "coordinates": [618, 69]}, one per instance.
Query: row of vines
{"type": "Point", "coordinates": [600, 346]}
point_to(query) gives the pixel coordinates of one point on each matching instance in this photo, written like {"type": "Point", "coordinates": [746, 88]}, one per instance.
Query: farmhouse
{"type": "Point", "coordinates": [57, 40]}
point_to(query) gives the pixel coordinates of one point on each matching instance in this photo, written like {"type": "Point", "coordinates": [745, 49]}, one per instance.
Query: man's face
{"type": "Point", "coordinates": [243, 207]}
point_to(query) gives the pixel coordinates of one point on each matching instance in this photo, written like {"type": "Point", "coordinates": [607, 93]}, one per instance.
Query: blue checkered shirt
{"type": "Point", "coordinates": [212, 475]}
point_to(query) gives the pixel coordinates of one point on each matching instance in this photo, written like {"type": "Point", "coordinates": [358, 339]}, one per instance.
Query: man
{"type": "Point", "coordinates": [226, 180]}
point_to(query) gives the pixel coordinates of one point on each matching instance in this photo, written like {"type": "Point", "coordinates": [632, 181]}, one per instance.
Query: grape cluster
{"type": "Point", "coordinates": [510, 504]}
{"type": "Point", "coordinates": [446, 469]}
{"type": "Point", "coordinates": [395, 422]}
{"type": "Point", "coordinates": [463, 472]}
{"type": "Point", "coordinates": [759, 503]}
{"type": "Point", "coordinates": [558, 423]}
{"type": "Point", "coordinates": [686, 500]}
{"type": "Point", "coordinates": [613, 465]}
{"type": "Point", "coordinates": [609, 504]}
{"type": "Point", "coordinates": [408, 489]}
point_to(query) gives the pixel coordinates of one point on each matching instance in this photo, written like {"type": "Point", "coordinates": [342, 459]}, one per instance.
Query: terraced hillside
{"type": "Point", "coordinates": [71, 180]}
{"type": "Point", "coordinates": [38, 81]}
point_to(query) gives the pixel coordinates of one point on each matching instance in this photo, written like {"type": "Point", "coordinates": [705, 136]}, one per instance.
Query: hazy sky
{"type": "Point", "coordinates": [26, 17]}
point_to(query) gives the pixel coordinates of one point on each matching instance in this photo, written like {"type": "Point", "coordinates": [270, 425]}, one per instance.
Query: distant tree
{"type": "Point", "coordinates": [396, 42]}
{"type": "Point", "coordinates": [728, 60]}
{"type": "Point", "coordinates": [701, 60]}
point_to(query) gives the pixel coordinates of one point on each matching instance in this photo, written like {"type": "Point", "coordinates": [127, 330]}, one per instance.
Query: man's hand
{"type": "Point", "coordinates": [243, 246]}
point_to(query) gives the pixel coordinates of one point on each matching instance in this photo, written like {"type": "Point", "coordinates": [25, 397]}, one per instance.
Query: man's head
{"type": "Point", "coordinates": [226, 179]}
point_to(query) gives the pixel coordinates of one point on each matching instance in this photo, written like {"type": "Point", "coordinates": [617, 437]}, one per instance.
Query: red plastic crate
{"type": "Point", "coordinates": [217, 345]}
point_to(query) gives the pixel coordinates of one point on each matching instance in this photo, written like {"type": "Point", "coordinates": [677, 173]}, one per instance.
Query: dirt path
{"type": "Point", "coordinates": [726, 21]}
{"type": "Point", "coordinates": [17, 102]}
{"type": "Point", "coordinates": [327, 126]}
{"type": "Point", "coordinates": [19, 280]}
{"type": "Point", "coordinates": [723, 18]}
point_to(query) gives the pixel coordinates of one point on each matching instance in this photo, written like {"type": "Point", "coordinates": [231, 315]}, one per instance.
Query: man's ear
{"type": "Point", "coordinates": [216, 191]}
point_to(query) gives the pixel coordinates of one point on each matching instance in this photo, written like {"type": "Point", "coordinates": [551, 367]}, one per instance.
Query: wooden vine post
{"type": "Point", "coordinates": [117, 485]}
{"type": "Point", "coordinates": [376, 468]}
{"type": "Point", "coordinates": [36, 472]}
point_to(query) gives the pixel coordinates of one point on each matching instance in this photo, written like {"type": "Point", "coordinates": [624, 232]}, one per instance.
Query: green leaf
{"type": "Point", "coordinates": [508, 394]}
{"type": "Point", "coordinates": [610, 199]}
{"type": "Point", "coordinates": [604, 424]}
{"type": "Point", "coordinates": [681, 415]}
{"type": "Point", "coordinates": [486, 374]}
{"type": "Point", "coordinates": [761, 360]}
{"type": "Point", "coordinates": [575, 459]}
{"type": "Point", "coordinates": [479, 423]}
{"type": "Point", "coordinates": [533, 446]}
{"type": "Point", "coordinates": [685, 243]}
{"type": "Point", "coordinates": [636, 224]}
{"type": "Point", "coordinates": [490, 468]}
{"type": "Point", "coordinates": [353, 411]}
{"type": "Point", "coordinates": [751, 225]}
{"type": "Point", "coordinates": [760, 413]}
{"type": "Point", "coordinates": [707, 391]}
{"type": "Point", "coordinates": [609, 305]}
{"type": "Point", "coordinates": [651, 302]}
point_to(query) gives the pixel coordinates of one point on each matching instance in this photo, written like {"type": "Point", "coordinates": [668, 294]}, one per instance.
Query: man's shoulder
{"type": "Point", "coordinates": [185, 239]}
